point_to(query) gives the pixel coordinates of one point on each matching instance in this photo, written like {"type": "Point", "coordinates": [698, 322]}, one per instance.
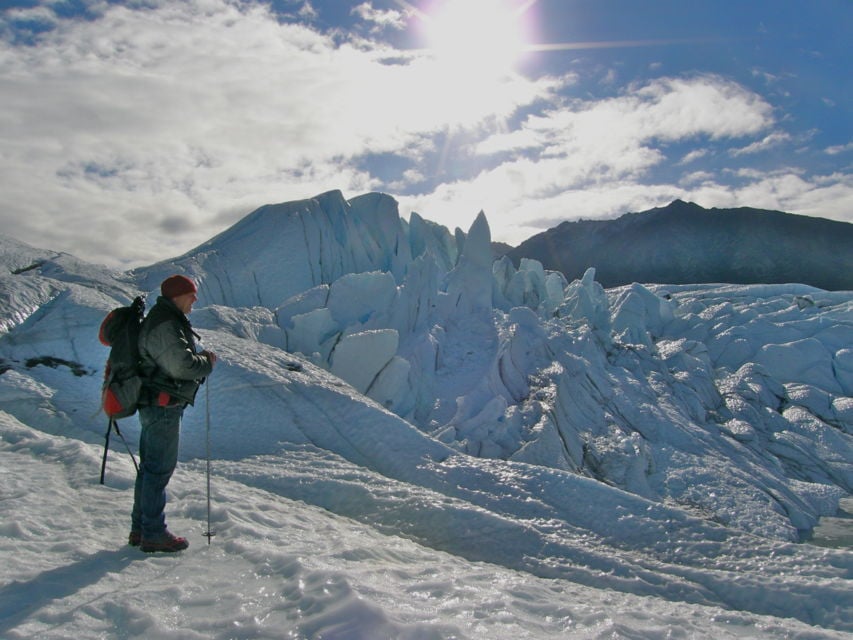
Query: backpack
{"type": "Point", "coordinates": [122, 386]}
{"type": "Point", "coordinates": [123, 383]}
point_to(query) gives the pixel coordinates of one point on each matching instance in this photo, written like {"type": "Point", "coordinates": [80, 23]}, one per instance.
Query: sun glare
{"type": "Point", "coordinates": [483, 37]}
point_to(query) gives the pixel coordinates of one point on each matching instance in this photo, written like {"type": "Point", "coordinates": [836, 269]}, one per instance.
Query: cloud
{"type": "Point", "coordinates": [307, 11]}
{"type": "Point", "coordinates": [696, 176]}
{"type": "Point", "coordinates": [838, 149]}
{"type": "Point", "coordinates": [591, 159]}
{"type": "Point", "coordinates": [694, 155]}
{"type": "Point", "coordinates": [138, 132]}
{"type": "Point", "coordinates": [826, 196]}
{"type": "Point", "coordinates": [576, 159]}
{"type": "Point", "coordinates": [768, 142]}
{"type": "Point", "coordinates": [381, 18]}
{"type": "Point", "coordinates": [140, 116]}
{"type": "Point", "coordinates": [513, 218]}
{"type": "Point", "coordinates": [619, 132]}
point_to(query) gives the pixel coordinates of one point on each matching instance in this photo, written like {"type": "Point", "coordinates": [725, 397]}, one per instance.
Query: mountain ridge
{"type": "Point", "coordinates": [684, 243]}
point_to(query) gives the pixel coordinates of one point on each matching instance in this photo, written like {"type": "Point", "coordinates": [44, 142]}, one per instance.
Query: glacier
{"type": "Point", "coordinates": [672, 442]}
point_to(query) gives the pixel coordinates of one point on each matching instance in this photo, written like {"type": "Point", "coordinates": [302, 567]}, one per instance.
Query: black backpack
{"type": "Point", "coordinates": [123, 384]}
{"type": "Point", "coordinates": [122, 381]}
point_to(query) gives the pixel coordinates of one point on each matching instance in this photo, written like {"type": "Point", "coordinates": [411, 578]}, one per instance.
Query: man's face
{"type": "Point", "coordinates": [185, 301]}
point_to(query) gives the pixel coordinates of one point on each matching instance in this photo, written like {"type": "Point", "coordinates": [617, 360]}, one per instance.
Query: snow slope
{"type": "Point", "coordinates": [470, 450]}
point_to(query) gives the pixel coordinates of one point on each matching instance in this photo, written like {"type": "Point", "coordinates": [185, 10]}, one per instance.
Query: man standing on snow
{"type": "Point", "coordinates": [173, 370]}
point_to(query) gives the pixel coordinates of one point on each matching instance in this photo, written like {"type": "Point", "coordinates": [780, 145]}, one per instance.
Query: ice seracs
{"type": "Point", "coordinates": [733, 402]}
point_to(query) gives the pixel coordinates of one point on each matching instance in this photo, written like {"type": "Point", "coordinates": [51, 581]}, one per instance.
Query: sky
{"type": "Point", "coordinates": [131, 132]}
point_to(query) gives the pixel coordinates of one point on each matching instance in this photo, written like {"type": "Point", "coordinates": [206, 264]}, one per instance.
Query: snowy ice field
{"type": "Point", "coordinates": [470, 450]}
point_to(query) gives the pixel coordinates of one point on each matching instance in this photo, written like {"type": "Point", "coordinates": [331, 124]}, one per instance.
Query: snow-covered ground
{"type": "Point", "coordinates": [309, 545]}
{"type": "Point", "coordinates": [470, 450]}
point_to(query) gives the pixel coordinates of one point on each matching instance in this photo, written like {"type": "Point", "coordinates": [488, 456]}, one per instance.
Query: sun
{"type": "Point", "coordinates": [484, 37]}
{"type": "Point", "coordinates": [466, 59]}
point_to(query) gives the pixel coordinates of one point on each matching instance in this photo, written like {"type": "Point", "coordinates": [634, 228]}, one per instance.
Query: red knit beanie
{"type": "Point", "coordinates": [177, 285]}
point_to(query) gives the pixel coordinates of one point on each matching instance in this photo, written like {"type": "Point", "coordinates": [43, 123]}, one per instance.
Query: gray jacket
{"type": "Point", "coordinates": [170, 361]}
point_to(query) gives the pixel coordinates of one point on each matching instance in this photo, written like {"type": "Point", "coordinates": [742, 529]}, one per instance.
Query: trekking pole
{"type": "Point", "coordinates": [106, 448]}
{"type": "Point", "coordinates": [209, 533]}
{"type": "Point", "coordinates": [126, 446]}
{"type": "Point", "coordinates": [114, 425]}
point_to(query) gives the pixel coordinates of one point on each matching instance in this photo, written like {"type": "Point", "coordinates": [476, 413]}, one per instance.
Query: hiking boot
{"type": "Point", "coordinates": [166, 543]}
{"type": "Point", "coordinates": [134, 538]}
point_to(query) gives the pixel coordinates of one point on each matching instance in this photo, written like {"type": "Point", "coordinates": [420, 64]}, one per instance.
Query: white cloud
{"type": "Point", "coordinates": [307, 11]}
{"type": "Point", "coordinates": [612, 131]}
{"type": "Point", "coordinates": [40, 15]}
{"type": "Point", "coordinates": [790, 190]}
{"type": "Point", "coordinates": [143, 116]}
{"type": "Point", "coordinates": [825, 196]}
{"type": "Point", "coordinates": [512, 141]}
{"type": "Point", "coordinates": [609, 78]}
{"type": "Point", "coordinates": [694, 155]}
{"type": "Point", "coordinates": [590, 158]}
{"type": "Point", "coordinates": [515, 219]}
{"type": "Point", "coordinates": [768, 142]}
{"type": "Point", "coordinates": [707, 105]}
{"type": "Point", "coordinates": [390, 18]}
{"type": "Point", "coordinates": [585, 144]}
{"type": "Point", "coordinates": [696, 176]}
{"type": "Point", "coordinates": [838, 149]}
{"type": "Point", "coordinates": [139, 133]}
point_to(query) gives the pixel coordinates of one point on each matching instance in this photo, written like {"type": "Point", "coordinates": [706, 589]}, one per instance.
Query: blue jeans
{"type": "Point", "coordinates": [158, 457]}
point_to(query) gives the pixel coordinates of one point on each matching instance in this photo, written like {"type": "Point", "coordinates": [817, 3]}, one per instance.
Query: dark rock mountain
{"type": "Point", "coordinates": [684, 243]}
